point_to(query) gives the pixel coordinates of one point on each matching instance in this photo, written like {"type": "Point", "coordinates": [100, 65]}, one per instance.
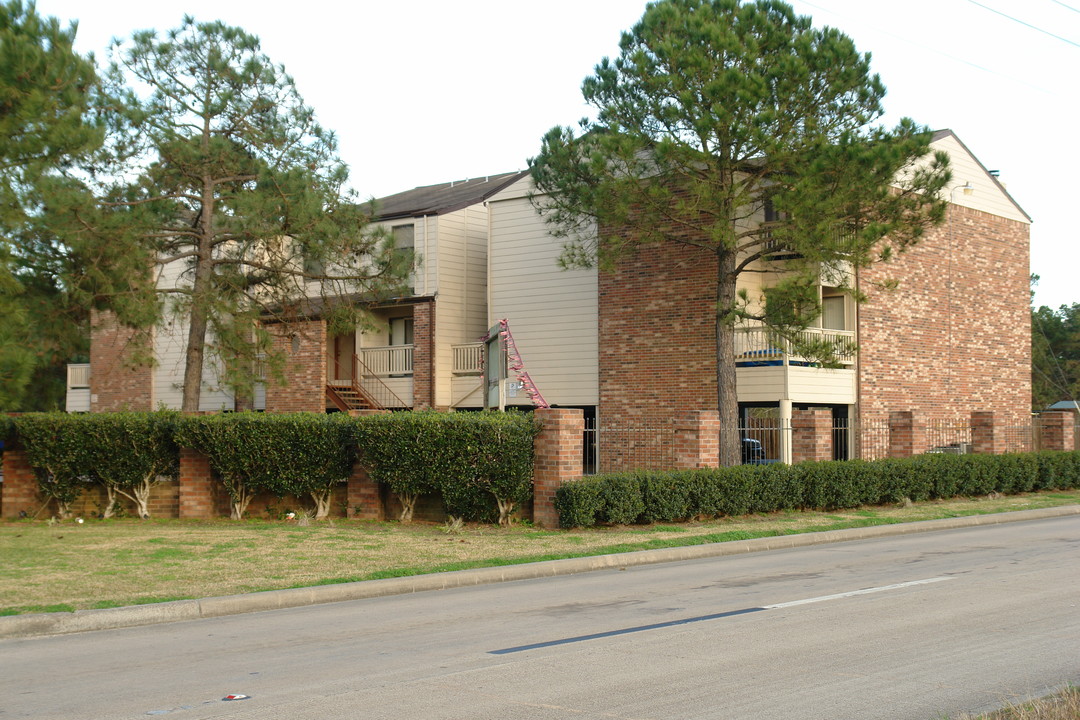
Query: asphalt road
{"type": "Point", "coordinates": [915, 626]}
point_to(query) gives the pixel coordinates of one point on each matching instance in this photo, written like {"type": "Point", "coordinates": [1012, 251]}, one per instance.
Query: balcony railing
{"type": "Point", "coordinates": [78, 376]}
{"type": "Point", "coordinates": [389, 360]}
{"type": "Point", "coordinates": [468, 359]}
{"type": "Point", "coordinates": [762, 344]}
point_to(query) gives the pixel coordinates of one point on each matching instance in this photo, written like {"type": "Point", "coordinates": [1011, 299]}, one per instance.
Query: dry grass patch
{"type": "Point", "coordinates": [1064, 705]}
{"type": "Point", "coordinates": [108, 563]}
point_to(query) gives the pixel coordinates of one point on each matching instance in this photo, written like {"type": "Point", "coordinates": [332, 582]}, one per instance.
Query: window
{"type": "Point", "coordinates": [832, 313]}
{"type": "Point", "coordinates": [403, 246]}
{"type": "Point", "coordinates": [403, 236]}
{"type": "Point", "coordinates": [401, 331]}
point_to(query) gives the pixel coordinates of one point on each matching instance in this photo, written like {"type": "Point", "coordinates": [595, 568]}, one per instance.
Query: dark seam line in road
{"type": "Point", "coordinates": [624, 631]}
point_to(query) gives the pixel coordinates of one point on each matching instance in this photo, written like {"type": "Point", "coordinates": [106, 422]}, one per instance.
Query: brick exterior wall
{"type": "Point", "coordinates": [657, 339]}
{"type": "Point", "coordinates": [200, 493]}
{"type": "Point", "coordinates": [557, 450]}
{"type": "Point", "coordinates": [953, 338]}
{"type": "Point", "coordinates": [424, 355]}
{"type": "Point", "coordinates": [955, 335]}
{"type": "Point", "coordinates": [303, 344]}
{"type": "Point", "coordinates": [907, 433]}
{"type": "Point", "coordinates": [114, 383]}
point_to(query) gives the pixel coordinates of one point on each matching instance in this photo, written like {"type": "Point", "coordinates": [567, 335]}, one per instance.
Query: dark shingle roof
{"type": "Point", "coordinates": [443, 198]}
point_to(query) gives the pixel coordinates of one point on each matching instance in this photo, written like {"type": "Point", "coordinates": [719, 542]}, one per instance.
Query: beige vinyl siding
{"type": "Point", "coordinates": [466, 390]}
{"type": "Point", "coordinates": [460, 315]}
{"type": "Point", "coordinates": [986, 196]}
{"type": "Point", "coordinates": [170, 340]}
{"type": "Point", "coordinates": [804, 385]}
{"type": "Point", "coordinates": [552, 312]}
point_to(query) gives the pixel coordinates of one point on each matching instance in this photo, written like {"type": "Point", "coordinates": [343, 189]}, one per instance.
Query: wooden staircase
{"type": "Point", "coordinates": [364, 392]}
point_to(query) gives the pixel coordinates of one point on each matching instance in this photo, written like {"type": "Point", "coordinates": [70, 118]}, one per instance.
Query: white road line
{"type": "Point", "coordinates": [867, 591]}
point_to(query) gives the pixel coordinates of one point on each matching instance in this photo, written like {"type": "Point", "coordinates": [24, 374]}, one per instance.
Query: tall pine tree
{"type": "Point", "coordinates": [232, 196]}
{"type": "Point", "coordinates": [45, 127]}
{"type": "Point", "coordinates": [714, 111]}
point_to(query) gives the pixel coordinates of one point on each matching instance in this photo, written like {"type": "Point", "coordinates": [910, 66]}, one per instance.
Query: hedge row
{"type": "Point", "coordinates": [654, 496]}
{"type": "Point", "coordinates": [481, 463]}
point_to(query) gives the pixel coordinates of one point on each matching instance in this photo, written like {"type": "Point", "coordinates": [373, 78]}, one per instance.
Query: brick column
{"type": "Point", "coordinates": [424, 355]}
{"type": "Point", "coordinates": [907, 434]}
{"type": "Point", "coordinates": [1058, 428]}
{"type": "Point", "coordinates": [697, 440]}
{"type": "Point", "coordinates": [363, 499]}
{"type": "Point", "coordinates": [558, 458]}
{"type": "Point", "coordinates": [197, 496]}
{"type": "Point", "coordinates": [987, 435]}
{"type": "Point", "coordinates": [20, 487]}
{"type": "Point", "coordinates": [811, 434]}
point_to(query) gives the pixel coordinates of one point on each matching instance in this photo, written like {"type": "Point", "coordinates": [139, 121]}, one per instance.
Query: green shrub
{"type": "Point", "coordinates": [836, 485]}
{"type": "Point", "coordinates": [131, 453]}
{"type": "Point", "coordinates": [287, 454]}
{"type": "Point", "coordinates": [778, 488]}
{"type": "Point", "coordinates": [621, 499]}
{"type": "Point", "coordinates": [496, 457]}
{"type": "Point", "coordinates": [733, 491]}
{"type": "Point", "coordinates": [668, 496]}
{"type": "Point", "coordinates": [1017, 473]}
{"type": "Point", "coordinates": [469, 458]}
{"type": "Point", "coordinates": [60, 449]}
{"type": "Point", "coordinates": [579, 502]}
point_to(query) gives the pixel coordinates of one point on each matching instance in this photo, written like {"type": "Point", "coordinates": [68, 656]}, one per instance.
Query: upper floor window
{"type": "Point", "coordinates": [403, 236]}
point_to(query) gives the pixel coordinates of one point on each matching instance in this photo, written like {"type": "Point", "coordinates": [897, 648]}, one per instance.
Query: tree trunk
{"type": "Point", "coordinates": [200, 290]}
{"type": "Point", "coordinates": [727, 398]}
{"type": "Point", "coordinates": [140, 495]}
{"type": "Point", "coordinates": [322, 503]}
{"type": "Point", "coordinates": [241, 496]}
{"type": "Point", "coordinates": [506, 509]}
{"type": "Point", "coordinates": [110, 501]}
{"type": "Point", "coordinates": [408, 503]}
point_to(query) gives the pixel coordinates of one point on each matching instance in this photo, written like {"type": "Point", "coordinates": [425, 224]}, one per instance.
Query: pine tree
{"type": "Point", "coordinates": [714, 111]}
{"type": "Point", "coordinates": [45, 126]}
{"type": "Point", "coordinates": [235, 197]}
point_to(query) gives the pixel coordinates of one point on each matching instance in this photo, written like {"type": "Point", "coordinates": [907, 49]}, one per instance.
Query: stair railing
{"type": "Point", "coordinates": [371, 388]}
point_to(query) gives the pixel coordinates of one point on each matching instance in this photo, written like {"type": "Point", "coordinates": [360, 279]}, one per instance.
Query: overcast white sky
{"type": "Point", "coordinates": [427, 91]}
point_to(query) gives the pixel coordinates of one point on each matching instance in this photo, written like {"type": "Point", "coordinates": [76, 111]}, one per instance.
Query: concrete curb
{"type": "Point", "coordinates": [24, 626]}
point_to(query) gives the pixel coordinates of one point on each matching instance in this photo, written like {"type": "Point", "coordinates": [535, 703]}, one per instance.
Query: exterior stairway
{"type": "Point", "coordinates": [350, 397]}
{"type": "Point", "coordinates": [369, 393]}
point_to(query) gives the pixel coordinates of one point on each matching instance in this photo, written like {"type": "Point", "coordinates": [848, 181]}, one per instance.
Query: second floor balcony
{"type": "Point", "coordinates": [760, 345]}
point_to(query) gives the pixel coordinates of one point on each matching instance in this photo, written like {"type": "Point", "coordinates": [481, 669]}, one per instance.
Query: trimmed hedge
{"type": "Point", "coordinates": [288, 454]}
{"type": "Point", "coordinates": [666, 496]}
{"type": "Point", "coordinates": [131, 453]}
{"type": "Point", "coordinates": [60, 448]}
{"type": "Point", "coordinates": [480, 463]}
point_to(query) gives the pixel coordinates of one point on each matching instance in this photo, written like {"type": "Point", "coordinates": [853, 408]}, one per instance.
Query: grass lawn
{"type": "Point", "coordinates": [110, 563]}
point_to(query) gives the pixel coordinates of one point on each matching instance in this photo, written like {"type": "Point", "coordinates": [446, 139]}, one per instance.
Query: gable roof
{"type": "Point", "coordinates": [443, 198]}
{"type": "Point", "coordinates": [939, 134]}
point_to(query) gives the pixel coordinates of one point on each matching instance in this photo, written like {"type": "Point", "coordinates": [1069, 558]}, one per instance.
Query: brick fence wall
{"type": "Point", "coordinates": [197, 494]}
